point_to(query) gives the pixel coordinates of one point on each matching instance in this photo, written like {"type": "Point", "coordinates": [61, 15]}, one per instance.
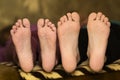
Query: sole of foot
{"type": "Point", "coordinates": [98, 27]}
{"type": "Point", "coordinates": [68, 32]}
{"type": "Point", "coordinates": [47, 38]}
{"type": "Point", "coordinates": [21, 36]}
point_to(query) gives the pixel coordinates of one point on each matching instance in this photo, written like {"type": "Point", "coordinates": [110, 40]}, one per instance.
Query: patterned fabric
{"type": "Point", "coordinates": [59, 73]}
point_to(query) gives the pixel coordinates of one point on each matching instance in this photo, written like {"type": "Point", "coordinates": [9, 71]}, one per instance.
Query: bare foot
{"type": "Point", "coordinates": [21, 36]}
{"type": "Point", "coordinates": [68, 32]}
{"type": "Point", "coordinates": [98, 32]}
{"type": "Point", "coordinates": [47, 37]}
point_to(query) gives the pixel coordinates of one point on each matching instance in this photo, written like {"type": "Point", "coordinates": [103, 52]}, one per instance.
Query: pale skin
{"type": "Point", "coordinates": [98, 27]}
{"type": "Point", "coordinates": [47, 38]}
{"type": "Point", "coordinates": [67, 26]}
{"type": "Point", "coordinates": [21, 36]}
{"type": "Point", "coordinates": [68, 32]}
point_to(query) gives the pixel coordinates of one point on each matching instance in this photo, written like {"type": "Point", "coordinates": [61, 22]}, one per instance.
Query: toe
{"type": "Point", "coordinates": [49, 23]}
{"type": "Point", "coordinates": [59, 23]}
{"type": "Point", "coordinates": [12, 32]}
{"type": "Point", "coordinates": [40, 23]}
{"type": "Point", "coordinates": [14, 27]}
{"type": "Point", "coordinates": [20, 23]}
{"type": "Point", "coordinates": [53, 27]}
{"type": "Point", "coordinates": [92, 16]}
{"type": "Point", "coordinates": [26, 22]}
{"type": "Point", "coordinates": [69, 15]}
{"type": "Point", "coordinates": [99, 14]}
{"type": "Point", "coordinates": [108, 24]}
{"type": "Point", "coordinates": [75, 16]}
{"type": "Point", "coordinates": [46, 22]}
{"type": "Point", "coordinates": [17, 24]}
{"type": "Point", "coordinates": [102, 18]}
{"type": "Point", "coordinates": [105, 20]}
{"type": "Point", "coordinates": [62, 19]}
{"type": "Point", "coordinates": [65, 18]}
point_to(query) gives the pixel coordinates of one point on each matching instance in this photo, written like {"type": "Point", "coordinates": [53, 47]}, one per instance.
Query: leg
{"type": "Point", "coordinates": [98, 32]}
{"type": "Point", "coordinates": [47, 38]}
{"type": "Point", "coordinates": [68, 32]}
{"type": "Point", "coordinates": [21, 36]}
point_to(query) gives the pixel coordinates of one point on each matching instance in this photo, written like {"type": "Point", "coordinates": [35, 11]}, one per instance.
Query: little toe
{"type": "Point", "coordinates": [92, 16]}
{"type": "Point", "coordinates": [12, 32]}
{"type": "Point", "coordinates": [69, 15]}
{"type": "Point", "coordinates": [26, 23]}
{"type": "Point", "coordinates": [106, 20]}
{"type": "Point", "coordinates": [75, 16]}
{"type": "Point", "coordinates": [99, 14]}
{"type": "Point", "coordinates": [40, 23]}
{"type": "Point", "coordinates": [108, 24]}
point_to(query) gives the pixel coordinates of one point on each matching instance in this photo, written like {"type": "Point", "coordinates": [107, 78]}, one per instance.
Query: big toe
{"type": "Point", "coordinates": [26, 22]}
{"type": "Point", "coordinates": [75, 16]}
{"type": "Point", "coordinates": [92, 16]}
